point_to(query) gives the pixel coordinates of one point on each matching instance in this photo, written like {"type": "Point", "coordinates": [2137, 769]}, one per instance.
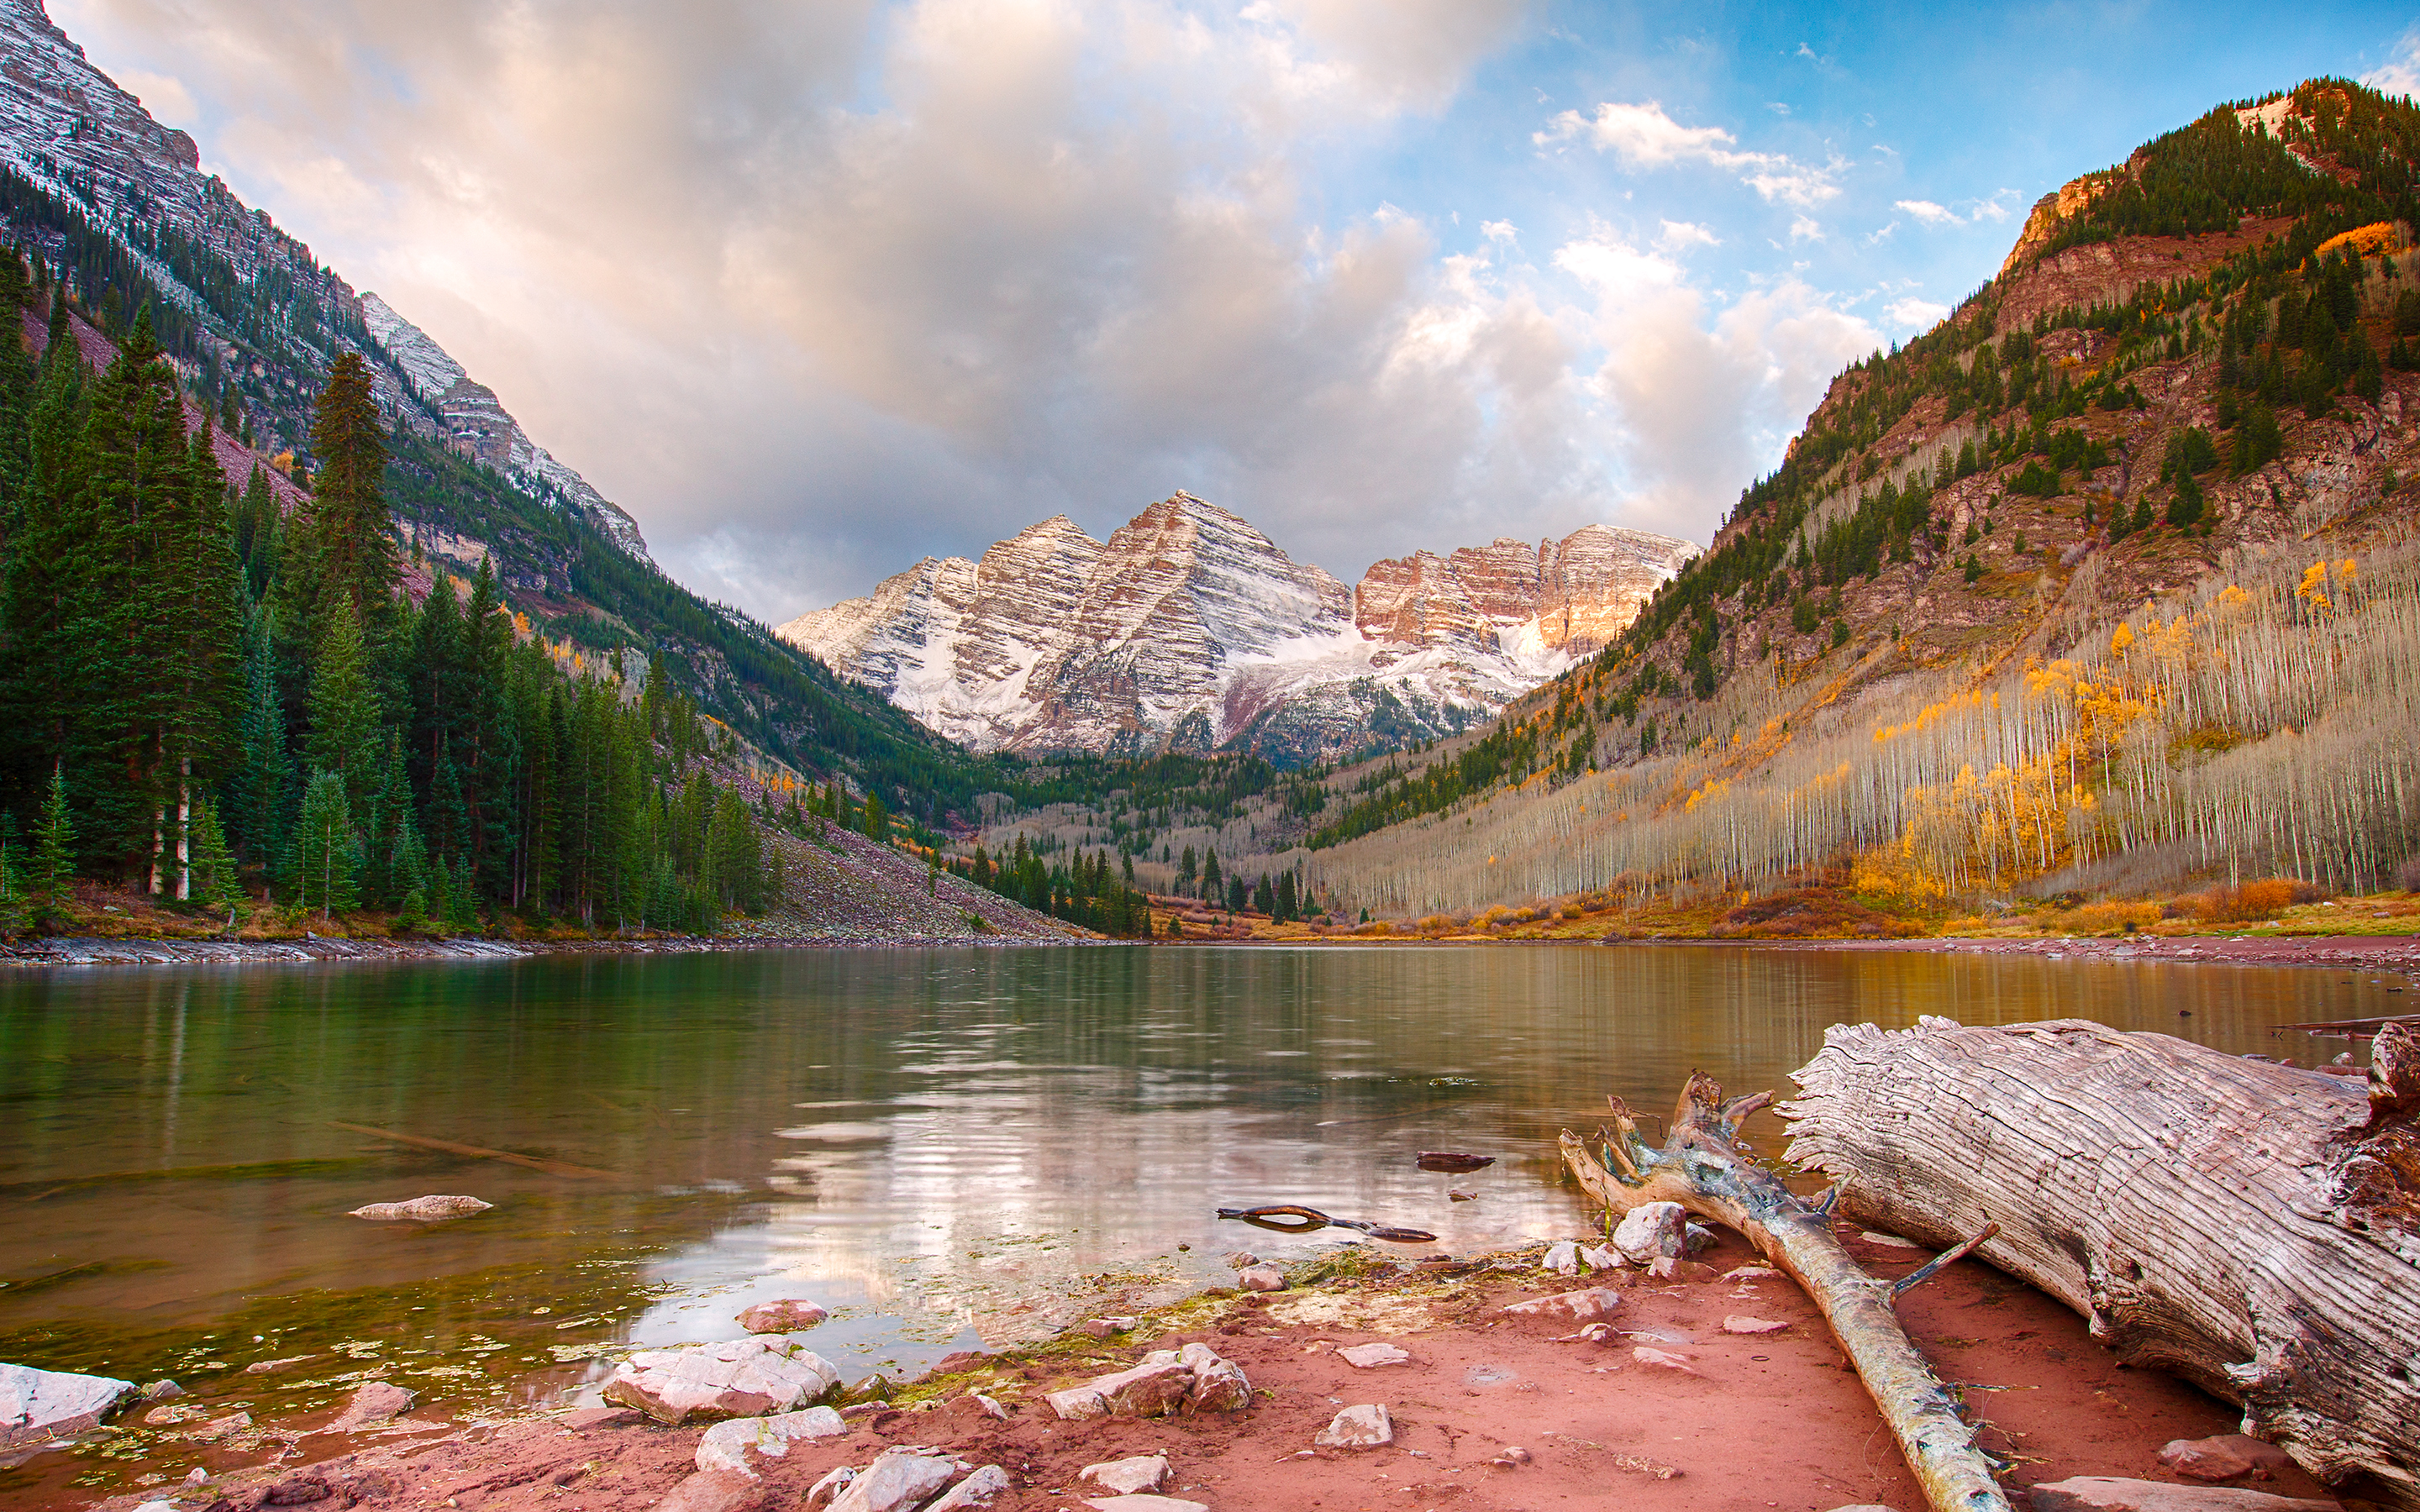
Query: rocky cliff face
{"type": "Point", "coordinates": [266, 315]}
{"type": "Point", "coordinates": [469, 419]}
{"type": "Point", "coordinates": [1189, 629]}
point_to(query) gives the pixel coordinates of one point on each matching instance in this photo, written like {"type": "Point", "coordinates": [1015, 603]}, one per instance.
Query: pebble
{"type": "Point", "coordinates": [1262, 1278]}
{"type": "Point", "coordinates": [1459, 1194]}
{"type": "Point", "coordinates": [1372, 1356]}
{"type": "Point", "coordinates": [1102, 1327]}
{"type": "Point", "coordinates": [1665, 1358]}
{"type": "Point", "coordinates": [1368, 1426]}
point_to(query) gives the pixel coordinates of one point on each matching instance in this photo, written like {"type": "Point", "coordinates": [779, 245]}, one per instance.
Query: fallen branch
{"type": "Point", "coordinates": [2252, 1228]}
{"type": "Point", "coordinates": [1700, 1168]}
{"type": "Point", "coordinates": [552, 1167]}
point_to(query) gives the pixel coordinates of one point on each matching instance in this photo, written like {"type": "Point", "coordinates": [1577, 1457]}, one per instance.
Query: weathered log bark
{"type": "Point", "coordinates": [1701, 1169]}
{"type": "Point", "coordinates": [2252, 1228]}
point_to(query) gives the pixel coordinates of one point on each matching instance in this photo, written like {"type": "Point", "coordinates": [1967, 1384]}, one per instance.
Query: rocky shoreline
{"type": "Point", "coordinates": [1369, 1384]}
{"type": "Point", "coordinates": [96, 952]}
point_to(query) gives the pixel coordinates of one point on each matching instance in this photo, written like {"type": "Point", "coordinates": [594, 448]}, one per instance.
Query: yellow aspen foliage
{"type": "Point", "coordinates": [2120, 639]}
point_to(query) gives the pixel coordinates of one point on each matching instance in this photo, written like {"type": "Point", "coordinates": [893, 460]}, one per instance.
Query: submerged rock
{"type": "Point", "coordinates": [785, 1317]}
{"type": "Point", "coordinates": [738, 1378]}
{"type": "Point", "coordinates": [422, 1210]}
{"type": "Point", "coordinates": [35, 1405]}
{"type": "Point", "coordinates": [373, 1401]}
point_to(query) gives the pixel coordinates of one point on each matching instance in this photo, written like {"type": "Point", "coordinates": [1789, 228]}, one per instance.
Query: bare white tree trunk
{"type": "Point", "coordinates": [2250, 1227]}
{"type": "Point", "coordinates": [186, 830]}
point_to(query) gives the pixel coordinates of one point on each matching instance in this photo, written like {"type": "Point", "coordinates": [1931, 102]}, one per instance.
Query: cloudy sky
{"type": "Point", "coordinates": [814, 288]}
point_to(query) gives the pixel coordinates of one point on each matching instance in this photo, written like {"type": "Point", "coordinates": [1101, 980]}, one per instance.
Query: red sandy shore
{"type": "Point", "coordinates": [2358, 952]}
{"type": "Point", "coordinates": [1768, 1422]}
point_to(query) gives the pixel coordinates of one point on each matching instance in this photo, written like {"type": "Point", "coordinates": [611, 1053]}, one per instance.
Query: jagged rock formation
{"type": "Point", "coordinates": [265, 313]}
{"type": "Point", "coordinates": [1189, 629]}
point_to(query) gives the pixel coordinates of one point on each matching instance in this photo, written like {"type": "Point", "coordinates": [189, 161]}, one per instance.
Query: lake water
{"type": "Point", "coordinates": [948, 1148]}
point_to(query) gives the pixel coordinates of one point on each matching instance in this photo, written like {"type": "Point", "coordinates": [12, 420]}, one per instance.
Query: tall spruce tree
{"type": "Point", "coordinates": [345, 735]}
{"type": "Point", "coordinates": [353, 550]}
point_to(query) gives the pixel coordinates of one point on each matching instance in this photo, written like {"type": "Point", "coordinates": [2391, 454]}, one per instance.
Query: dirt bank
{"type": "Point", "coordinates": [1772, 1421]}
{"type": "Point", "coordinates": [2350, 953]}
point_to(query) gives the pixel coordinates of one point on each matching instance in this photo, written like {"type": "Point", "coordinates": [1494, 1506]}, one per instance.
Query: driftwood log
{"type": "Point", "coordinates": [1702, 1168]}
{"type": "Point", "coordinates": [2250, 1227]}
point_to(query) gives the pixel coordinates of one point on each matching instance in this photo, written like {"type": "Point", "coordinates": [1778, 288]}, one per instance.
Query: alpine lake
{"type": "Point", "coordinates": [949, 1149]}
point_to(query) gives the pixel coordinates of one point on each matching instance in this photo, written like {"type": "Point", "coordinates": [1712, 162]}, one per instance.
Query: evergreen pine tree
{"type": "Point", "coordinates": [50, 882]}
{"type": "Point", "coordinates": [216, 885]}
{"type": "Point", "coordinates": [257, 791]}
{"type": "Point", "coordinates": [878, 820]}
{"type": "Point", "coordinates": [344, 737]}
{"type": "Point", "coordinates": [353, 549]}
{"type": "Point", "coordinates": [326, 862]}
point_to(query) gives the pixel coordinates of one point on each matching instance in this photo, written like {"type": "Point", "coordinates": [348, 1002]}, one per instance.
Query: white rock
{"type": "Point", "coordinates": [1590, 1334]}
{"type": "Point", "coordinates": [373, 1401]}
{"type": "Point", "coordinates": [1152, 1389]}
{"type": "Point", "coordinates": [1142, 1473]}
{"type": "Point", "coordinates": [1219, 1384]}
{"type": "Point", "coordinates": [1741, 1323]}
{"type": "Point", "coordinates": [727, 1446]}
{"type": "Point", "coordinates": [37, 1405]}
{"type": "Point", "coordinates": [1102, 1327]}
{"type": "Point", "coordinates": [753, 1377]}
{"type": "Point", "coordinates": [1365, 1426]}
{"type": "Point", "coordinates": [975, 1490]}
{"type": "Point", "coordinates": [1262, 1278]}
{"type": "Point", "coordinates": [899, 1477]}
{"type": "Point", "coordinates": [834, 1482]}
{"type": "Point", "coordinates": [1602, 1257]}
{"type": "Point", "coordinates": [1750, 1272]}
{"type": "Point", "coordinates": [988, 1407]}
{"type": "Point", "coordinates": [422, 1210]}
{"type": "Point", "coordinates": [1562, 1257]}
{"type": "Point", "coordinates": [1695, 1237]}
{"type": "Point", "coordinates": [1587, 1305]}
{"type": "Point", "coordinates": [1652, 1229]}
{"type": "Point", "coordinates": [1371, 1357]}
{"type": "Point", "coordinates": [1145, 1503]}
{"type": "Point", "coordinates": [1665, 1358]}
{"type": "Point", "coordinates": [2113, 1493]}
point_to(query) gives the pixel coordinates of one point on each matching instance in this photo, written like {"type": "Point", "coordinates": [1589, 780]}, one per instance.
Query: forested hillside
{"type": "Point", "coordinates": [2107, 581]}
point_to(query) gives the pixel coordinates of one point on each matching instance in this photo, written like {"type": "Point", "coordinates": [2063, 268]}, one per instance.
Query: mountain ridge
{"type": "Point", "coordinates": [1190, 630]}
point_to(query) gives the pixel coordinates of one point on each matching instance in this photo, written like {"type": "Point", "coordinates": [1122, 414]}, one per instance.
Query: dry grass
{"type": "Point", "coordinates": [2248, 902]}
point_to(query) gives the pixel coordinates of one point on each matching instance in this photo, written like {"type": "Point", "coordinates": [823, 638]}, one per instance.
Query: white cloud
{"type": "Point", "coordinates": [1680, 235]}
{"type": "Point", "coordinates": [1778, 107]}
{"type": "Point", "coordinates": [1694, 396]}
{"type": "Point", "coordinates": [1876, 239]}
{"type": "Point", "coordinates": [1804, 228]}
{"type": "Point", "coordinates": [1913, 313]}
{"type": "Point", "coordinates": [1499, 231]}
{"type": "Point", "coordinates": [163, 95]}
{"type": "Point", "coordinates": [1644, 136]}
{"type": "Point", "coordinates": [2400, 73]}
{"type": "Point", "coordinates": [1992, 209]}
{"type": "Point", "coordinates": [1930, 214]}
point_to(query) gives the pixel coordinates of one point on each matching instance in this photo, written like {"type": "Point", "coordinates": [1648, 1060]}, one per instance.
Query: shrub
{"type": "Point", "coordinates": [2104, 917]}
{"type": "Point", "coordinates": [1437, 923]}
{"type": "Point", "coordinates": [2249, 901]}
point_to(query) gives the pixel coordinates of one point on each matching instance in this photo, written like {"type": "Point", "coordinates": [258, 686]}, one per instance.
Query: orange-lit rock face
{"type": "Point", "coordinates": [1576, 593]}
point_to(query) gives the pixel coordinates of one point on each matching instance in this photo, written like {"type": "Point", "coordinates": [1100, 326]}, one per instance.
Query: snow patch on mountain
{"type": "Point", "coordinates": [1190, 628]}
